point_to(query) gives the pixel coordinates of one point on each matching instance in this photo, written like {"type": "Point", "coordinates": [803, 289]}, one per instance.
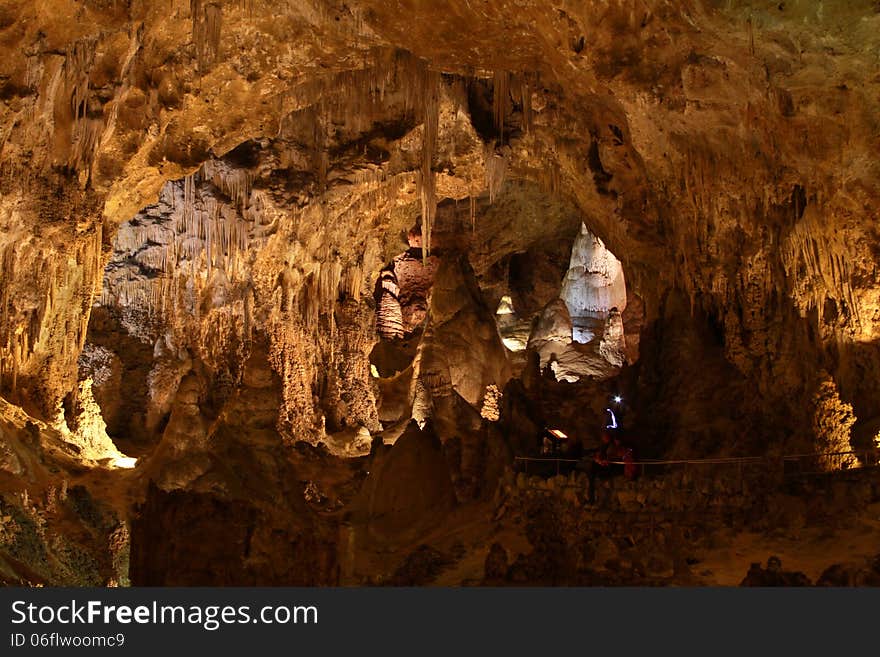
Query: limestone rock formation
{"type": "Point", "coordinates": [594, 282]}
{"type": "Point", "coordinates": [408, 488]}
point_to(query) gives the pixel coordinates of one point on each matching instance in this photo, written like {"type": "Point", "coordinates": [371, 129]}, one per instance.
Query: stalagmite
{"type": "Point", "coordinates": [595, 281]}
{"type": "Point", "coordinates": [490, 409]}
{"type": "Point", "coordinates": [613, 344]}
{"type": "Point", "coordinates": [389, 320]}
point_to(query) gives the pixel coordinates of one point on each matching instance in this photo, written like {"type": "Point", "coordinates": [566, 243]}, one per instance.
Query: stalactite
{"type": "Point", "coordinates": [255, 212]}
{"type": "Point", "coordinates": [206, 27]}
{"type": "Point", "coordinates": [351, 283]}
{"type": "Point", "coordinates": [86, 130]}
{"type": "Point", "coordinates": [188, 203]}
{"type": "Point", "coordinates": [458, 94]}
{"type": "Point", "coordinates": [213, 23]}
{"type": "Point", "coordinates": [319, 293]}
{"type": "Point", "coordinates": [826, 273]}
{"type": "Point", "coordinates": [330, 275]}
{"type": "Point", "coordinates": [196, 11]}
{"type": "Point", "coordinates": [319, 141]}
{"type": "Point", "coordinates": [496, 171]}
{"type": "Point", "coordinates": [427, 181]}
{"type": "Point", "coordinates": [525, 92]}
{"type": "Point", "coordinates": [234, 183]}
{"type": "Point", "coordinates": [500, 94]}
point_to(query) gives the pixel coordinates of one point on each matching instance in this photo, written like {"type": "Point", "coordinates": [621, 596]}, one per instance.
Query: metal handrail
{"type": "Point", "coordinates": [863, 457]}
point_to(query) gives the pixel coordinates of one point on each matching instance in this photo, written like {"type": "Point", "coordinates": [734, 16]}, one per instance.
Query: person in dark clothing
{"type": "Point", "coordinates": [616, 453]}
{"type": "Point", "coordinates": [598, 465]}
{"type": "Point", "coordinates": [604, 453]}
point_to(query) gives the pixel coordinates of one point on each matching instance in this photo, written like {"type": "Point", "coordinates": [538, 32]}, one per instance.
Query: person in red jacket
{"type": "Point", "coordinates": [625, 453]}
{"type": "Point", "coordinates": [630, 469]}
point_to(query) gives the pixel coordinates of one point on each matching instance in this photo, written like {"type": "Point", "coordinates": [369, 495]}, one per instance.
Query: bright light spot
{"type": "Point", "coordinates": [514, 344]}
{"type": "Point", "coordinates": [123, 462]}
{"type": "Point", "coordinates": [613, 424]}
{"type": "Point", "coordinates": [582, 335]}
{"type": "Point", "coordinates": [374, 371]}
{"type": "Point", "coordinates": [505, 307]}
{"type": "Point", "coordinates": [617, 399]}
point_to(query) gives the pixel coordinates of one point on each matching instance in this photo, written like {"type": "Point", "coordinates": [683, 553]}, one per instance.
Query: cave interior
{"type": "Point", "coordinates": [354, 293]}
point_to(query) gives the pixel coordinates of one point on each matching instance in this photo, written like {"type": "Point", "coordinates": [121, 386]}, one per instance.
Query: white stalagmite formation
{"type": "Point", "coordinates": [594, 282]}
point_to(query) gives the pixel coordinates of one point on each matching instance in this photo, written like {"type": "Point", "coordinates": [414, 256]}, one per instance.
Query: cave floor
{"type": "Point", "coordinates": [723, 560]}
{"type": "Point", "coordinates": [809, 550]}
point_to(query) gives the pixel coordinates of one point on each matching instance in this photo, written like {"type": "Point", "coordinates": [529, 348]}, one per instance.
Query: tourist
{"type": "Point", "coordinates": [598, 465]}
